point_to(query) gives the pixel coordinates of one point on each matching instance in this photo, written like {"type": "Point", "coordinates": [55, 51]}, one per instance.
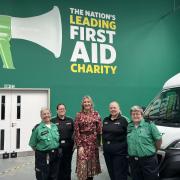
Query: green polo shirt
{"type": "Point", "coordinates": [44, 138]}
{"type": "Point", "coordinates": [141, 139]}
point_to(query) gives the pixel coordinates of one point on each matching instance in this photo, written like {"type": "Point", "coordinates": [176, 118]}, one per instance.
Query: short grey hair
{"type": "Point", "coordinates": [137, 108]}
{"type": "Point", "coordinates": [44, 109]}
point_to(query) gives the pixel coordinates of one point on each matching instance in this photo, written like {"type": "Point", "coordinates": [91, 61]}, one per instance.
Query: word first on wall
{"type": "Point", "coordinates": [93, 34]}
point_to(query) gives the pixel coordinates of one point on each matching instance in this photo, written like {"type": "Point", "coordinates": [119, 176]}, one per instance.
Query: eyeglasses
{"type": "Point", "coordinates": [136, 114]}
{"type": "Point", "coordinates": [61, 109]}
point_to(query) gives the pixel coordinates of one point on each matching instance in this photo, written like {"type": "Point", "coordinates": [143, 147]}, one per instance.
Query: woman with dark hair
{"type": "Point", "coordinates": [87, 127]}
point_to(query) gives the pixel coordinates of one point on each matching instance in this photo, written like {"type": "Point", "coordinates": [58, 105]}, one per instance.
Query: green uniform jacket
{"type": "Point", "coordinates": [141, 140]}
{"type": "Point", "coordinates": [44, 138]}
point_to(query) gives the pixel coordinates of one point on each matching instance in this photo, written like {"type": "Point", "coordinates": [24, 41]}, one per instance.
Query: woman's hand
{"type": "Point", "coordinates": [81, 151]}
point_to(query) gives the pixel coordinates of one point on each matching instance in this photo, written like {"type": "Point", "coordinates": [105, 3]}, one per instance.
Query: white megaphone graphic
{"type": "Point", "coordinates": [45, 30]}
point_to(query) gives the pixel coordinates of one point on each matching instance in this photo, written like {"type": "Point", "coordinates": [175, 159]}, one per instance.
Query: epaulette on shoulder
{"type": "Point", "coordinates": [53, 117]}
{"type": "Point", "coordinates": [35, 127]}
{"type": "Point", "coordinates": [148, 121]}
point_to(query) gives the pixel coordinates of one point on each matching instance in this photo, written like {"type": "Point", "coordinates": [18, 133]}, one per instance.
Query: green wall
{"type": "Point", "coordinates": [147, 44]}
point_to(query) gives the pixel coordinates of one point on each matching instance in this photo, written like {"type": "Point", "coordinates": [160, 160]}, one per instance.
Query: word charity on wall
{"type": "Point", "coordinates": [93, 35]}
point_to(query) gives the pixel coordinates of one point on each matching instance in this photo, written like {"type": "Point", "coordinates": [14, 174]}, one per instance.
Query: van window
{"type": "Point", "coordinates": [165, 109]}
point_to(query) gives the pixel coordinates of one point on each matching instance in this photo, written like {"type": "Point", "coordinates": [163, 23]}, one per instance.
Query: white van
{"type": "Point", "coordinates": [164, 110]}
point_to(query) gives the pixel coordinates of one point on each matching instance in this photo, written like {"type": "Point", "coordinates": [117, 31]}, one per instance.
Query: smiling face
{"type": "Point", "coordinates": [61, 111]}
{"type": "Point", "coordinates": [114, 109]}
{"type": "Point", "coordinates": [87, 104]}
{"type": "Point", "coordinates": [46, 115]}
{"type": "Point", "coordinates": [136, 114]}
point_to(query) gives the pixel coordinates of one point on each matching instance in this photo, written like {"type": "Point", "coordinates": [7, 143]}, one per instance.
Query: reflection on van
{"type": "Point", "coordinates": [164, 110]}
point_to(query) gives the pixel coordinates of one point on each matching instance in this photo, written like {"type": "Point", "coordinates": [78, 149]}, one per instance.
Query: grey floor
{"type": "Point", "coordinates": [23, 168]}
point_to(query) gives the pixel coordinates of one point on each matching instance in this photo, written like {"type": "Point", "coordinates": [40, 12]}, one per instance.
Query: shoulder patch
{"type": "Point", "coordinates": [148, 121]}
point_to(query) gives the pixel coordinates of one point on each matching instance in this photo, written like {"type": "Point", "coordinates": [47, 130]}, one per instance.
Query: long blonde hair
{"type": "Point", "coordinates": [92, 104]}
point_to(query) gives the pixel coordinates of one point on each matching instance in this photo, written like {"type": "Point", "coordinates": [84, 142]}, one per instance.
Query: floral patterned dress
{"type": "Point", "coordinates": [87, 126]}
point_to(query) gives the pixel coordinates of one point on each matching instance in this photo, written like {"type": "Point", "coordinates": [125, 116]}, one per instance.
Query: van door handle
{"type": "Point", "coordinates": [13, 124]}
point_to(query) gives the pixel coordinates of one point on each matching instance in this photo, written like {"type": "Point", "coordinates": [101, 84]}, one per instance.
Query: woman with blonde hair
{"type": "Point", "coordinates": [87, 127]}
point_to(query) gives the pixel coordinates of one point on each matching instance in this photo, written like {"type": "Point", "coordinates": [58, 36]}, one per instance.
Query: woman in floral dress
{"type": "Point", "coordinates": [87, 128]}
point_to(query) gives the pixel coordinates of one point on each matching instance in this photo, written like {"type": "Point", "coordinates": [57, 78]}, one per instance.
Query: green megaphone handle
{"type": "Point", "coordinates": [6, 55]}
{"type": "Point", "coordinates": [5, 36]}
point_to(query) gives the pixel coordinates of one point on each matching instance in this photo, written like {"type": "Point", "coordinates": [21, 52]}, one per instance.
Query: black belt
{"type": "Point", "coordinates": [48, 151]}
{"type": "Point", "coordinates": [141, 158]}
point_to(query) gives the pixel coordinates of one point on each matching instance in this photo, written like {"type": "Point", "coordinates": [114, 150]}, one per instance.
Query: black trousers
{"type": "Point", "coordinates": [144, 168]}
{"type": "Point", "coordinates": [117, 166]}
{"type": "Point", "coordinates": [46, 165]}
{"type": "Point", "coordinates": [89, 178]}
{"type": "Point", "coordinates": [65, 164]}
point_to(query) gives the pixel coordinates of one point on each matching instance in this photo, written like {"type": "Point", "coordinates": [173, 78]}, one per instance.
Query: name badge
{"type": "Point", "coordinates": [63, 141]}
{"type": "Point", "coordinates": [118, 123]}
{"type": "Point", "coordinates": [44, 132]}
